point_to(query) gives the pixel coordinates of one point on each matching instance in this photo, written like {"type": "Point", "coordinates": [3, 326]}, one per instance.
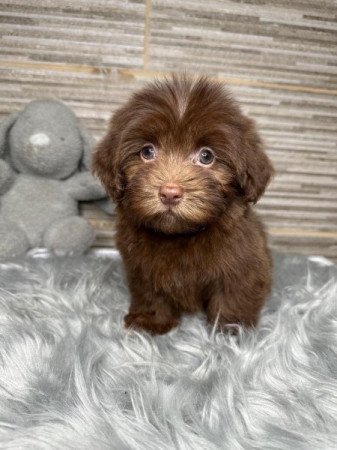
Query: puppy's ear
{"type": "Point", "coordinates": [106, 162]}
{"type": "Point", "coordinates": [254, 169]}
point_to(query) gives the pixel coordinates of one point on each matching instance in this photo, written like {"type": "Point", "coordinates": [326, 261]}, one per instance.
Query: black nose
{"type": "Point", "coordinates": [170, 194]}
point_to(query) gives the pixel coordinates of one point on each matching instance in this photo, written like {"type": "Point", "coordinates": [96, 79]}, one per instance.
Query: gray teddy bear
{"type": "Point", "coordinates": [43, 175]}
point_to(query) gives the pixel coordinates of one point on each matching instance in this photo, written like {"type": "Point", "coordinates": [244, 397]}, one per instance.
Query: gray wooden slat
{"type": "Point", "coordinates": [286, 42]}
{"type": "Point", "coordinates": [97, 32]}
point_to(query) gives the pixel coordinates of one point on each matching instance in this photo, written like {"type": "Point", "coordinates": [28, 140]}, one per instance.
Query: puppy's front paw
{"type": "Point", "coordinates": [150, 322]}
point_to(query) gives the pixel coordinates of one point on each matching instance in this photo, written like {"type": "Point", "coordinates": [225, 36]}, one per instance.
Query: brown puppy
{"type": "Point", "coordinates": [183, 165]}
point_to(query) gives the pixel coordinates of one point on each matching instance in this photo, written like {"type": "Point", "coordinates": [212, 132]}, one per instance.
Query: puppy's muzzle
{"type": "Point", "coordinates": [170, 194]}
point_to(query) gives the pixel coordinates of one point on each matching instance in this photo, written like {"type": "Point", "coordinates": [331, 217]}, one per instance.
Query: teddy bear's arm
{"type": "Point", "coordinates": [83, 186]}
{"type": "Point", "coordinates": [6, 176]}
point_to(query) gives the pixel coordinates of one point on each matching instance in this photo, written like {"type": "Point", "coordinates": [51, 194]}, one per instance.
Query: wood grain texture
{"type": "Point", "coordinates": [278, 59]}
{"type": "Point", "coordinates": [285, 41]}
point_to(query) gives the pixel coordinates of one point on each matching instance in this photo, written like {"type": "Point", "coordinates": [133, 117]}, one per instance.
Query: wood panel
{"type": "Point", "coordinates": [279, 60]}
{"type": "Point", "coordinates": [104, 33]}
{"type": "Point", "coordinates": [286, 41]}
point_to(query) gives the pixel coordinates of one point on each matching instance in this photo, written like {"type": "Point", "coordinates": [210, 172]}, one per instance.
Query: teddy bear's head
{"type": "Point", "coordinates": [45, 140]}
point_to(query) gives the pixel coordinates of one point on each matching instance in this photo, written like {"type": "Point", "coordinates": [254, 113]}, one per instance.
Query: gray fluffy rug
{"type": "Point", "coordinates": [72, 378]}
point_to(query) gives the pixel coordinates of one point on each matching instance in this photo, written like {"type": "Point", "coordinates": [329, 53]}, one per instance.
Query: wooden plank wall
{"type": "Point", "coordinates": [278, 57]}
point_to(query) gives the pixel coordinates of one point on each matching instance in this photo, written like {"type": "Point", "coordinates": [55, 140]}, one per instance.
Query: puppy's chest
{"type": "Point", "coordinates": [177, 268]}
{"type": "Point", "coordinates": [181, 277]}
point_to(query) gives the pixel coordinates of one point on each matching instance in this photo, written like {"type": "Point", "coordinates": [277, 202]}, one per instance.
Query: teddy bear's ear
{"type": "Point", "coordinates": [5, 127]}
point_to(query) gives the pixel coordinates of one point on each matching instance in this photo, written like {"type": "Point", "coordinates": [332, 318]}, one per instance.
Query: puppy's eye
{"type": "Point", "coordinates": [148, 152]}
{"type": "Point", "coordinates": [205, 156]}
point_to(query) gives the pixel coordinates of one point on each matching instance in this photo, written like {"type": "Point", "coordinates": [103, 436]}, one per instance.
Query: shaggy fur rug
{"type": "Point", "coordinates": [71, 377]}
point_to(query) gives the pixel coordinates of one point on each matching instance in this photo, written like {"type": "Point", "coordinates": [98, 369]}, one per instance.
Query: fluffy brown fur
{"type": "Point", "coordinates": [186, 231]}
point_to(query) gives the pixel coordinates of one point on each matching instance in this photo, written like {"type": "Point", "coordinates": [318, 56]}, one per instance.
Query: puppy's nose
{"type": "Point", "coordinates": [170, 194]}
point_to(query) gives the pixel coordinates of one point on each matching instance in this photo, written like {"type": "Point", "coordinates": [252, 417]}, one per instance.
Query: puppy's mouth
{"type": "Point", "coordinates": [170, 209]}
{"type": "Point", "coordinates": [170, 222]}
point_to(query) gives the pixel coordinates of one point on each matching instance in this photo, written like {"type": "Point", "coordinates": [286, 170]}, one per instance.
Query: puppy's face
{"type": "Point", "coordinates": [178, 154]}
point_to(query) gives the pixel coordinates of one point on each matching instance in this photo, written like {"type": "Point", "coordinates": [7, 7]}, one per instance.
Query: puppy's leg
{"type": "Point", "coordinates": [149, 311]}
{"type": "Point", "coordinates": [234, 306]}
